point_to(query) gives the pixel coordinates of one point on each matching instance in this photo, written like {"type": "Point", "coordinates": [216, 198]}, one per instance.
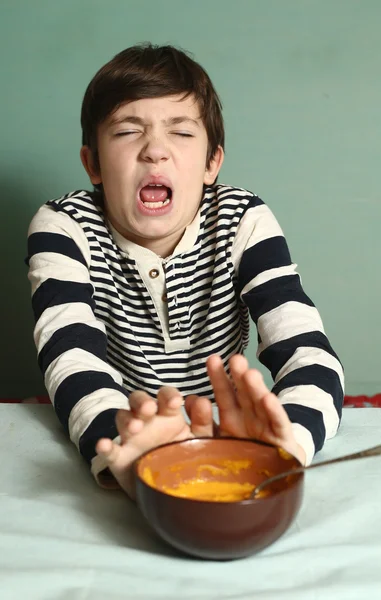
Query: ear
{"type": "Point", "coordinates": [88, 162]}
{"type": "Point", "coordinates": [214, 166]}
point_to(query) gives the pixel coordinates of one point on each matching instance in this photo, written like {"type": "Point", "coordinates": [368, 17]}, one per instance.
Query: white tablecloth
{"type": "Point", "coordinates": [61, 537]}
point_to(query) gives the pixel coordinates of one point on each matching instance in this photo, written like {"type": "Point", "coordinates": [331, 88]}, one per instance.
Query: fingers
{"type": "Point", "coordinates": [127, 424]}
{"type": "Point", "coordinates": [143, 408]}
{"type": "Point", "coordinates": [147, 424]}
{"type": "Point", "coordinates": [238, 366]}
{"type": "Point", "coordinates": [142, 405]}
{"type": "Point", "coordinates": [188, 403]}
{"type": "Point", "coordinates": [106, 448]}
{"type": "Point", "coordinates": [255, 383]}
{"type": "Point", "coordinates": [268, 409]}
{"type": "Point", "coordinates": [112, 453]}
{"type": "Point", "coordinates": [200, 412]}
{"type": "Point", "coordinates": [119, 460]}
{"type": "Point", "coordinates": [278, 419]}
{"type": "Point", "coordinates": [256, 392]}
{"type": "Point", "coordinates": [169, 402]}
{"type": "Point", "coordinates": [222, 386]}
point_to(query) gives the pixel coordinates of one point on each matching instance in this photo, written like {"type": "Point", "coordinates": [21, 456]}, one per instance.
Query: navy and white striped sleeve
{"type": "Point", "coordinates": [292, 344]}
{"type": "Point", "coordinates": [71, 343]}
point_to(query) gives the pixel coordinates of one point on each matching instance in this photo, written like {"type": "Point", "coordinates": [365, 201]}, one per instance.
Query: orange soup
{"type": "Point", "coordinates": [210, 490]}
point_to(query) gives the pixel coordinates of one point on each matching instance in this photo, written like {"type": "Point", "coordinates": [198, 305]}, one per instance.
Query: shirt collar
{"type": "Point", "coordinates": [186, 243]}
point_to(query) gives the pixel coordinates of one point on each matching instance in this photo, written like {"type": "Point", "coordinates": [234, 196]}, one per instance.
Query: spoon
{"type": "Point", "coordinates": [375, 451]}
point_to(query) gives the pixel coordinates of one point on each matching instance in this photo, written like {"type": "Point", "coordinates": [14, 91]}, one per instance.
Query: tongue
{"type": "Point", "coordinates": [153, 194]}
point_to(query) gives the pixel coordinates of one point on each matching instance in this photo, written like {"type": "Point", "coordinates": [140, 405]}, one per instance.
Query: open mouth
{"type": "Point", "coordinates": [155, 195]}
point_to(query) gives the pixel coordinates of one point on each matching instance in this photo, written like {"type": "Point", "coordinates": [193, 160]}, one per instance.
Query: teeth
{"type": "Point", "coordinates": [156, 204]}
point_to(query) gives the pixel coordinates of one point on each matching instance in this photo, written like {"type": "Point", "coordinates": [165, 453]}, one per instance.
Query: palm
{"type": "Point", "coordinates": [247, 408]}
{"type": "Point", "coordinates": [158, 430]}
{"type": "Point", "coordinates": [244, 425]}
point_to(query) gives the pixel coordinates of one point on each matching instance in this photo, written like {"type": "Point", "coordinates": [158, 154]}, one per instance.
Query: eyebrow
{"type": "Point", "coordinates": [168, 122]}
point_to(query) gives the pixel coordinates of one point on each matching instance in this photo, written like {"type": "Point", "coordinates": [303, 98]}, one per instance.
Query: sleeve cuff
{"type": "Point", "coordinates": [303, 437]}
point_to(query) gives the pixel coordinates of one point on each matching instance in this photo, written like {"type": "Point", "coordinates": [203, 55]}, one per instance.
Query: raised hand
{"type": "Point", "coordinates": [149, 423]}
{"type": "Point", "coordinates": [247, 408]}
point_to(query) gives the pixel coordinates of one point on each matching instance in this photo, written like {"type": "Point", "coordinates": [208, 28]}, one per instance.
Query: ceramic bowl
{"type": "Point", "coordinates": [215, 529]}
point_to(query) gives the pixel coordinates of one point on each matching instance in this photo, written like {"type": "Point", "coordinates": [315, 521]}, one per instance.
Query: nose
{"type": "Point", "coordinates": [155, 151]}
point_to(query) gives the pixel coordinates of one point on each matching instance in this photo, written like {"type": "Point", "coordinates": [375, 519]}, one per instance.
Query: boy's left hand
{"type": "Point", "coordinates": [247, 408]}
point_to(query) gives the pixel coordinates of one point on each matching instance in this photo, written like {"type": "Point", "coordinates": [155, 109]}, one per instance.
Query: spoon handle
{"type": "Point", "coordinates": [375, 451]}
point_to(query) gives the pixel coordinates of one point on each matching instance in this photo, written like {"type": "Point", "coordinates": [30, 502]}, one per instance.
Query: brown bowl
{"type": "Point", "coordinates": [214, 529]}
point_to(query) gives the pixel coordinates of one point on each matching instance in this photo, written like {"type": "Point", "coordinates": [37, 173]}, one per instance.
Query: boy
{"type": "Point", "coordinates": [141, 289]}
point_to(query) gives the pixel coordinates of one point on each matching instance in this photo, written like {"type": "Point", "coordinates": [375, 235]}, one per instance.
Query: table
{"type": "Point", "coordinates": [62, 537]}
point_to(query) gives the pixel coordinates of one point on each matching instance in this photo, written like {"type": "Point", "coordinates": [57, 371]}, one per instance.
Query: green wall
{"type": "Point", "coordinates": [301, 87]}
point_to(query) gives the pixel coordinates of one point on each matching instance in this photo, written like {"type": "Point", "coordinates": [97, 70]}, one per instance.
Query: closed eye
{"type": "Point", "coordinates": [121, 133]}
{"type": "Point", "coordinates": [183, 134]}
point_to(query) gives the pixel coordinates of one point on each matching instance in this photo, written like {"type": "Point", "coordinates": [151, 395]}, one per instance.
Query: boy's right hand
{"type": "Point", "coordinates": [150, 423]}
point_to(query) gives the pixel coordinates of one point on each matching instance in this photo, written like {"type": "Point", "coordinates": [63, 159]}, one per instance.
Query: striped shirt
{"type": "Point", "coordinates": [113, 317]}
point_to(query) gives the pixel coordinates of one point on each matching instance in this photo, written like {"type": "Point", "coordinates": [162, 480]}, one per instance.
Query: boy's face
{"type": "Point", "coordinates": [145, 143]}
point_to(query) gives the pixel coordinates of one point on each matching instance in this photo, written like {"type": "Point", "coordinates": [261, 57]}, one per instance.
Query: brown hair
{"type": "Point", "coordinates": [150, 71]}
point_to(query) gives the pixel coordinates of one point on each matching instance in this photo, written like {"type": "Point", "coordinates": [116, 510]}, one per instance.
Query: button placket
{"type": "Point", "coordinates": [171, 298]}
{"type": "Point", "coordinates": [178, 326]}
{"type": "Point", "coordinates": [177, 320]}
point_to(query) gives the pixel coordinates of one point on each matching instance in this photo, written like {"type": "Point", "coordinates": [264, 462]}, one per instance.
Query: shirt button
{"type": "Point", "coordinates": [164, 298]}
{"type": "Point", "coordinates": [154, 273]}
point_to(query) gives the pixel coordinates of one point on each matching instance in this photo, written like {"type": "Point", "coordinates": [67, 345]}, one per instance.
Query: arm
{"type": "Point", "coordinates": [291, 340]}
{"type": "Point", "coordinates": [85, 390]}
{"type": "Point", "coordinates": [71, 343]}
